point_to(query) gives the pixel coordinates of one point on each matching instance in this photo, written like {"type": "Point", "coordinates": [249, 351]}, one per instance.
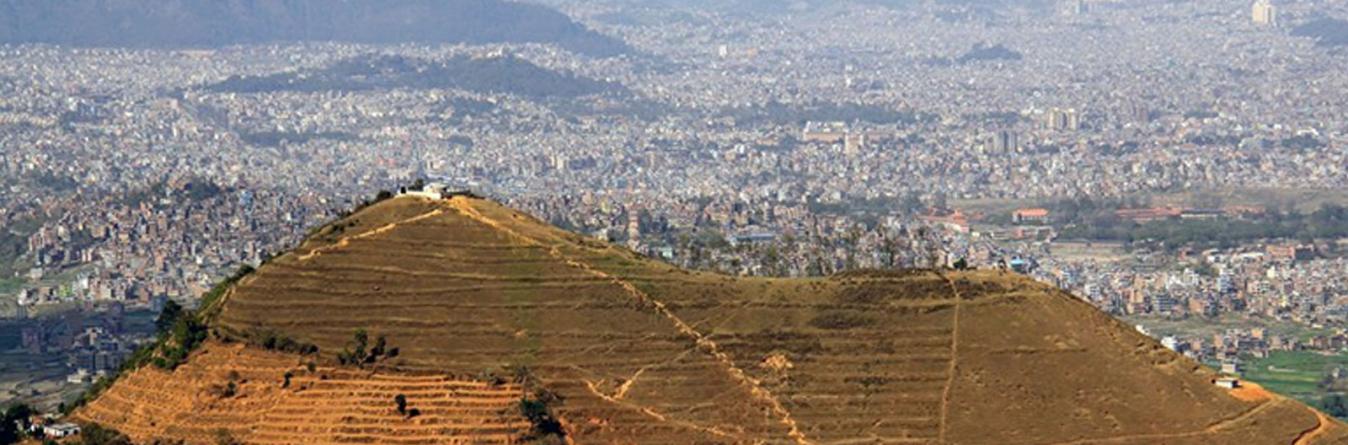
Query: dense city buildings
{"type": "Point", "coordinates": [833, 136]}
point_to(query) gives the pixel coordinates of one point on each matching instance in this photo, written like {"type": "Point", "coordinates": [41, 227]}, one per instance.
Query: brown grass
{"type": "Point", "coordinates": [643, 352]}
{"type": "Point", "coordinates": [329, 405]}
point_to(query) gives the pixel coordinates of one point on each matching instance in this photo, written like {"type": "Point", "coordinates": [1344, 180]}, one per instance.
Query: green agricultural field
{"type": "Point", "coordinates": [1207, 327]}
{"type": "Point", "coordinates": [9, 286]}
{"type": "Point", "coordinates": [1294, 373]}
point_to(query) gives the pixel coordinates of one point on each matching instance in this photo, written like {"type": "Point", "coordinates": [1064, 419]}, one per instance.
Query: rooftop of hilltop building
{"type": "Point", "coordinates": [435, 190]}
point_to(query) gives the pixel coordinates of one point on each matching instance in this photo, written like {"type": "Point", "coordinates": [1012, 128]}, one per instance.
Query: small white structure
{"type": "Point", "coordinates": [433, 190]}
{"type": "Point", "coordinates": [79, 376]}
{"type": "Point", "coordinates": [1227, 382]}
{"type": "Point", "coordinates": [59, 430]}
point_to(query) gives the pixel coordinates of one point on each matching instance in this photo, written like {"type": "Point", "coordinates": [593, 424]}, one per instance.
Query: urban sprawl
{"type": "Point", "coordinates": [800, 144]}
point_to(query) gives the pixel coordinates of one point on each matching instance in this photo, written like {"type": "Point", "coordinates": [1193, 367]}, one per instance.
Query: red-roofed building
{"type": "Point", "coordinates": [955, 220]}
{"type": "Point", "coordinates": [1035, 215]}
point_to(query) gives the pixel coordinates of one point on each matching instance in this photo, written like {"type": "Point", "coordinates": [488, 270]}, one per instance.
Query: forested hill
{"type": "Point", "coordinates": [209, 23]}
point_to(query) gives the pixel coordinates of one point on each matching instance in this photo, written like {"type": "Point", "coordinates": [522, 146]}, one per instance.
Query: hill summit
{"type": "Point", "coordinates": [218, 23]}
{"type": "Point", "coordinates": [497, 328]}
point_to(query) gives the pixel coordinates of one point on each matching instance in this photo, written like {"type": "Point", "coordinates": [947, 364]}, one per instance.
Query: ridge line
{"type": "Point", "coordinates": [954, 360]}
{"type": "Point", "coordinates": [755, 388]}
{"type": "Point", "coordinates": [346, 240]}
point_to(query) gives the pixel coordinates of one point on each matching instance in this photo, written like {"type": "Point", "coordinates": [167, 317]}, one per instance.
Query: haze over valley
{"type": "Point", "coordinates": [656, 221]}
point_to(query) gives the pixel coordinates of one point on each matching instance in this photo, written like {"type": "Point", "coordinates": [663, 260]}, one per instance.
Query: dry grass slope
{"type": "Point", "coordinates": [327, 405]}
{"type": "Point", "coordinates": [644, 352]}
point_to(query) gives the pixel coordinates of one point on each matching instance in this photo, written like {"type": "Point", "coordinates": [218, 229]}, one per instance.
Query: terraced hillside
{"type": "Point", "coordinates": [643, 352]}
{"type": "Point", "coordinates": [326, 405]}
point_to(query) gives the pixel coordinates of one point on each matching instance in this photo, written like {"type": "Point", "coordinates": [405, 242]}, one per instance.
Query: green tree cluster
{"type": "Point", "coordinates": [12, 423]}
{"type": "Point", "coordinates": [360, 352]}
{"type": "Point", "coordinates": [95, 434]}
{"type": "Point", "coordinates": [1330, 222]}
{"type": "Point", "coordinates": [1334, 405]}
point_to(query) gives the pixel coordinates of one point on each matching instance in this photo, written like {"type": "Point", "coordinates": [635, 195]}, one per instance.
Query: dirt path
{"type": "Point", "coordinates": [660, 417]}
{"type": "Point", "coordinates": [346, 240]}
{"type": "Point", "coordinates": [954, 359]}
{"type": "Point", "coordinates": [755, 387]}
{"type": "Point", "coordinates": [1321, 425]}
{"type": "Point", "coordinates": [1211, 429]}
{"type": "Point", "coordinates": [1252, 392]}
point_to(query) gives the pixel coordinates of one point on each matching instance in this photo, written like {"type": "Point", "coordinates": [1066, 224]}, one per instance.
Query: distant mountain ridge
{"type": "Point", "coordinates": [978, 53]}
{"type": "Point", "coordinates": [503, 74]}
{"type": "Point", "coordinates": [981, 51]}
{"type": "Point", "coordinates": [210, 23]}
{"type": "Point", "coordinates": [761, 8]}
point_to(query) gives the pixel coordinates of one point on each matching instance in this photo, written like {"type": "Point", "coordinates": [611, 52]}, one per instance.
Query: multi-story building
{"type": "Point", "coordinates": [1264, 13]}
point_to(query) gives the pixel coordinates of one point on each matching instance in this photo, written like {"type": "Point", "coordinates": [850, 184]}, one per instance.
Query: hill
{"type": "Point", "coordinates": [326, 405]}
{"type": "Point", "coordinates": [635, 351]}
{"type": "Point", "coordinates": [213, 23]}
{"type": "Point", "coordinates": [774, 8]}
{"type": "Point", "coordinates": [981, 51]}
{"type": "Point", "coordinates": [504, 74]}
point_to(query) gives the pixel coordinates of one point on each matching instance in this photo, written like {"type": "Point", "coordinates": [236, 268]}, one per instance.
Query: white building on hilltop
{"type": "Point", "coordinates": [434, 190]}
{"type": "Point", "coordinates": [59, 430]}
